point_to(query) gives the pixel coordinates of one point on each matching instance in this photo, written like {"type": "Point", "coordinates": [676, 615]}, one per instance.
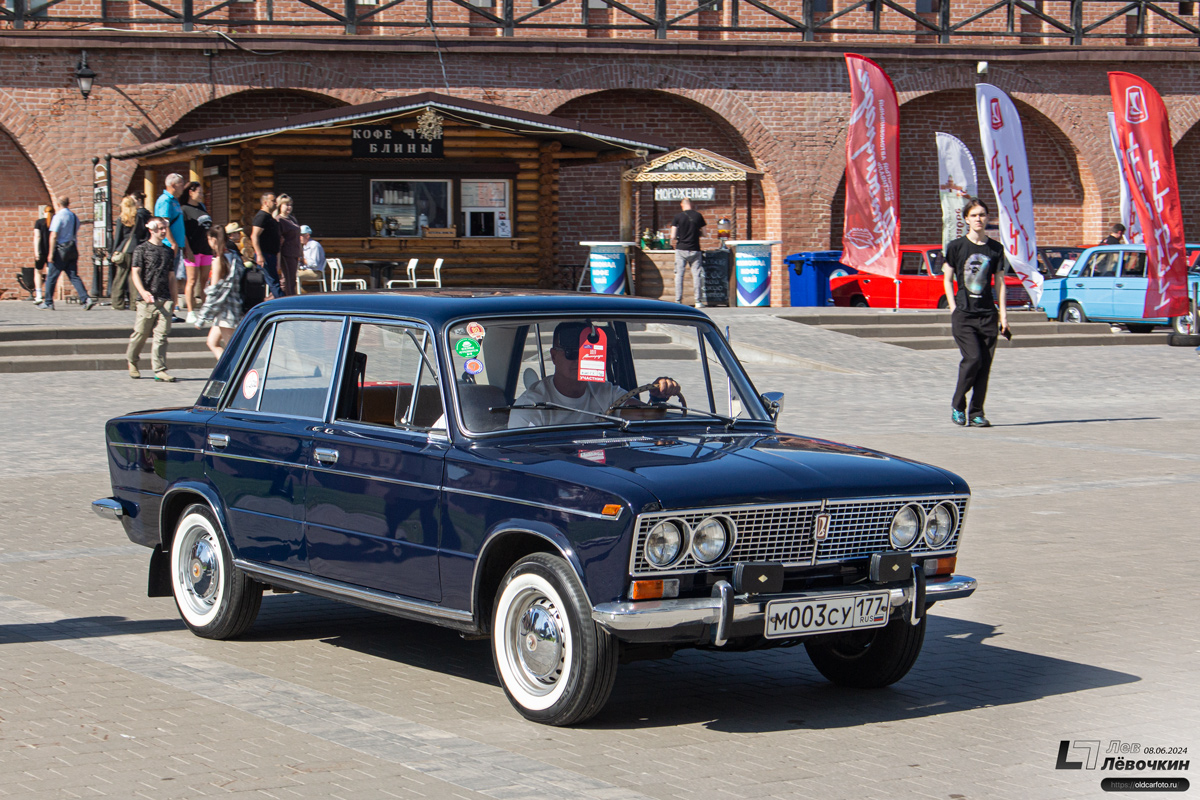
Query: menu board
{"type": "Point", "coordinates": [485, 194]}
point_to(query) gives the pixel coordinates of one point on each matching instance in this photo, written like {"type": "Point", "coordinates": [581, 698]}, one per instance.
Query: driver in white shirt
{"type": "Point", "coordinates": [564, 388]}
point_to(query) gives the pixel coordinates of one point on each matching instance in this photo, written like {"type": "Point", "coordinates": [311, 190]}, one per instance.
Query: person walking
{"type": "Point", "coordinates": [313, 260]}
{"type": "Point", "coordinates": [131, 231]}
{"type": "Point", "coordinates": [64, 257]}
{"type": "Point", "coordinates": [153, 276]}
{"type": "Point", "coordinates": [264, 238]}
{"type": "Point", "coordinates": [223, 298]}
{"type": "Point", "coordinates": [167, 206]}
{"type": "Point", "coordinates": [41, 250]}
{"type": "Point", "coordinates": [976, 263]}
{"type": "Point", "coordinates": [685, 237]}
{"type": "Point", "coordinates": [290, 248]}
{"type": "Point", "coordinates": [196, 222]}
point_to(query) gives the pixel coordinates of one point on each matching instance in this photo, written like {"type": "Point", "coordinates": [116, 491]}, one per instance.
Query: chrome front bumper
{"type": "Point", "coordinates": [724, 608]}
{"type": "Point", "coordinates": [108, 508]}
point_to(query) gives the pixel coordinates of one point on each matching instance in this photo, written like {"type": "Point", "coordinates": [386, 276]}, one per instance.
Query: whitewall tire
{"type": "Point", "coordinates": [215, 598]}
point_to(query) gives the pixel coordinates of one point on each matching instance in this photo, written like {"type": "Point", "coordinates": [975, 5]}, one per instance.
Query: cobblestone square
{"type": "Point", "coordinates": [1084, 504]}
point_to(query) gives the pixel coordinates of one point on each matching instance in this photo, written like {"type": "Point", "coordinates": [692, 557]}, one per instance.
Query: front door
{"type": "Point", "coordinates": [374, 488]}
{"type": "Point", "coordinates": [1093, 287]}
{"type": "Point", "coordinates": [259, 445]}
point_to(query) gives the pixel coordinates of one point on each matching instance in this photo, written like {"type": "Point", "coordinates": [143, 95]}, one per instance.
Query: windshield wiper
{"type": "Point", "coordinates": [730, 422]}
{"type": "Point", "coordinates": [624, 423]}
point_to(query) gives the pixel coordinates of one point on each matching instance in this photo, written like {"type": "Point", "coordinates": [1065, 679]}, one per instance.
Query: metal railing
{"type": "Point", "coordinates": [1088, 21]}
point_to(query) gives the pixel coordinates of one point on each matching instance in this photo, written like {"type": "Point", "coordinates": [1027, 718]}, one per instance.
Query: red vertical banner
{"type": "Point", "coordinates": [871, 237]}
{"type": "Point", "coordinates": [1144, 136]}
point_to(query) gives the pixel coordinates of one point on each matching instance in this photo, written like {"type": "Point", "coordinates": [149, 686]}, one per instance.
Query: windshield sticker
{"type": "Point", "coordinates": [593, 354]}
{"type": "Point", "coordinates": [475, 331]}
{"type": "Point", "coordinates": [595, 456]}
{"type": "Point", "coordinates": [473, 366]}
{"type": "Point", "coordinates": [466, 348]}
{"type": "Point", "coordinates": [250, 384]}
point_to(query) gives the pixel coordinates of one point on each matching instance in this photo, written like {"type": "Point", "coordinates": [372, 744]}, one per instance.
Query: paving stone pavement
{"type": "Point", "coordinates": [1080, 533]}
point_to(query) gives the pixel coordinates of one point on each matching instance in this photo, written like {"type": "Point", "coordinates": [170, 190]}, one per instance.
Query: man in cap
{"type": "Point", "coordinates": [312, 260]}
{"type": "Point", "coordinates": [567, 400]}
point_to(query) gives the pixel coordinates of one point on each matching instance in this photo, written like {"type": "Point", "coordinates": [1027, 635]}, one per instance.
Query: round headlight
{"type": "Point", "coordinates": [664, 544]}
{"type": "Point", "coordinates": [906, 526]}
{"type": "Point", "coordinates": [939, 525]}
{"type": "Point", "coordinates": [710, 539]}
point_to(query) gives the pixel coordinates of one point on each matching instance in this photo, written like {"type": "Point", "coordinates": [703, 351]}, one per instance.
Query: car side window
{"type": "Point", "coordinates": [390, 378]}
{"type": "Point", "coordinates": [1103, 265]}
{"type": "Point", "coordinates": [910, 264]}
{"type": "Point", "coordinates": [935, 261]}
{"type": "Point", "coordinates": [292, 371]}
{"type": "Point", "coordinates": [1134, 265]}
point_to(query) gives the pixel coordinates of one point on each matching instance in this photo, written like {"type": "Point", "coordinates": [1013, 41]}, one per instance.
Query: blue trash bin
{"type": "Point", "coordinates": [810, 276]}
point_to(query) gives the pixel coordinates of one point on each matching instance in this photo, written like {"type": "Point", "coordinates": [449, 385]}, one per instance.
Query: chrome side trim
{"type": "Point", "coordinates": [666, 614]}
{"type": "Point", "coordinates": [293, 464]}
{"type": "Point", "coordinates": [157, 447]}
{"type": "Point", "coordinates": [385, 602]}
{"type": "Point", "coordinates": [108, 508]}
{"type": "Point", "coordinates": [380, 478]}
{"type": "Point", "coordinates": [563, 509]}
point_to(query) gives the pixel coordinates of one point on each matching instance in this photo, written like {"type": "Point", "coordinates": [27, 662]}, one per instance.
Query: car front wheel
{"type": "Point", "coordinates": [216, 599]}
{"type": "Point", "coordinates": [1072, 312]}
{"type": "Point", "coordinates": [1184, 325]}
{"type": "Point", "coordinates": [859, 302]}
{"type": "Point", "coordinates": [556, 665]}
{"type": "Point", "coordinates": [872, 658]}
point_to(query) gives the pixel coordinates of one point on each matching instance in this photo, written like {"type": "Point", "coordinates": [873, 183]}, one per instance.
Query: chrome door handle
{"type": "Point", "coordinates": [1120, 286]}
{"type": "Point", "coordinates": [326, 455]}
{"type": "Point", "coordinates": [218, 441]}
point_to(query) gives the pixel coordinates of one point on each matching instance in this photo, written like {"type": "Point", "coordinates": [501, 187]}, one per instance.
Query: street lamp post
{"type": "Point", "coordinates": [84, 76]}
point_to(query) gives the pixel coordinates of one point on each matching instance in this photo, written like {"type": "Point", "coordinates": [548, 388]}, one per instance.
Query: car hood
{"type": "Point", "coordinates": [688, 471]}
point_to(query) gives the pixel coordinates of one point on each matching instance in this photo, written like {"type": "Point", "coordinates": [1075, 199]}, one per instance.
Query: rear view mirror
{"type": "Point", "coordinates": [774, 403]}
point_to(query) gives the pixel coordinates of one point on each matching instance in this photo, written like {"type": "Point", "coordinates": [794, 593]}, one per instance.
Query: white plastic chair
{"type": "Point", "coordinates": [436, 280]}
{"type": "Point", "coordinates": [337, 273]}
{"type": "Point", "coordinates": [300, 281]}
{"type": "Point", "coordinates": [406, 283]}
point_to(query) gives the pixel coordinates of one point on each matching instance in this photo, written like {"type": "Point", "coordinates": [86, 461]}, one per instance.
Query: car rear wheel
{"type": "Point", "coordinates": [1072, 312]}
{"type": "Point", "coordinates": [216, 599]}
{"type": "Point", "coordinates": [943, 303]}
{"type": "Point", "coordinates": [556, 665]}
{"type": "Point", "coordinates": [1184, 325]}
{"type": "Point", "coordinates": [1136, 328]}
{"type": "Point", "coordinates": [859, 302]}
{"type": "Point", "coordinates": [872, 658]}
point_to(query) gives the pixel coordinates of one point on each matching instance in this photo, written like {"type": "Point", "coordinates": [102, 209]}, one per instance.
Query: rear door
{"type": "Point", "coordinates": [259, 445]}
{"type": "Point", "coordinates": [1129, 290]}
{"type": "Point", "coordinates": [374, 488]}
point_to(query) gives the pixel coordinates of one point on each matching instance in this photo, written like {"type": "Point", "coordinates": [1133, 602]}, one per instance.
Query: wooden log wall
{"type": "Point", "coordinates": [527, 259]}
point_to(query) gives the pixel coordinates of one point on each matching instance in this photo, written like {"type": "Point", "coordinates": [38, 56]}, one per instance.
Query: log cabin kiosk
{"type": "Point", "coordinates": [425, 176]}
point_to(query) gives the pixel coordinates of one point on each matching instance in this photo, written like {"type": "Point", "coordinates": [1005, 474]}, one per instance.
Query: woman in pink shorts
{"type": "Point", "coordinates": [196, 222]}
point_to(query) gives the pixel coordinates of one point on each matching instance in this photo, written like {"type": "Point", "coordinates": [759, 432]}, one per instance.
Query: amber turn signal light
{"type": "Point", "coordinates": [611, 510]}
{"type": "Point", "coordinates": [654, 590]}
{"type": "Point", "coordinates": [940, 566]}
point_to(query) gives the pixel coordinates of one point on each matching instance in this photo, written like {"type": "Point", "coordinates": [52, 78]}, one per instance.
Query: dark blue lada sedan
{"type": "Point", "coordinates": [578, 477]}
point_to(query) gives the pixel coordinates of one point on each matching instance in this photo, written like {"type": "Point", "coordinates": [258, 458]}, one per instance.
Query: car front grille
{"type": "Point", "coordinates": [786, 533]}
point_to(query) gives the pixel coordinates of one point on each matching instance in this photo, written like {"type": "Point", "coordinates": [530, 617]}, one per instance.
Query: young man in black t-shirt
{"type": "Point", "coordinates": [264, 237]}
{"type": "Point", "coordinates": [975, 263]}
{"type": "Point", "coordinates": [152, 272]}
{"type": "Point", "coordinates": [685, 236]}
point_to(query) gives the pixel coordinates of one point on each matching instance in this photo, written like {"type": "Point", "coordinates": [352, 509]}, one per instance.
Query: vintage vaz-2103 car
{"type": "Point", "coordinates": [583, 478]}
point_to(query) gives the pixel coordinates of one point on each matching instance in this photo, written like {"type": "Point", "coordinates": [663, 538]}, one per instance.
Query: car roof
{"type": "Point", "coordinates": [439, 306]}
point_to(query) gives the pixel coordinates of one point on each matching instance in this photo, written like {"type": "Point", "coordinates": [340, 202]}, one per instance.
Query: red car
{"type": "Point", "coordinates": [920, 283]}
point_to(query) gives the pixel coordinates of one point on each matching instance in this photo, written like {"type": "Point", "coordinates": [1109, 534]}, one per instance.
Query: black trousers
{"type": "Point", "coordinates": [976, 340]}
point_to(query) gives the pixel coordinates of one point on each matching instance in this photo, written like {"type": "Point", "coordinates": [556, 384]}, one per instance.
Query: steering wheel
{"type": "Point", "coordinates": [620, 401]}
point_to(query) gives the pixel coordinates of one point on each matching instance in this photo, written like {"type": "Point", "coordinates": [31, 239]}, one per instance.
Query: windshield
{"type": "Point", "coordinates": [512, 374]}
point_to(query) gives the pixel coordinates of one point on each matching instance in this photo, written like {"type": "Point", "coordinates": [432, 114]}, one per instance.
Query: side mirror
{"type": "Point", "coordinates": [774, 403]}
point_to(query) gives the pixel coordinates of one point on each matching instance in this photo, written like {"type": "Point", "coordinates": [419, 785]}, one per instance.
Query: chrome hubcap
{"type": "Point", "coordinates": [202, 571]}
{"type": "Point", "coordinates": [536, 638]}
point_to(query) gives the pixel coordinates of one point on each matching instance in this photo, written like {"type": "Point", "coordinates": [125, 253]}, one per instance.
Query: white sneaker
{"type": "Point", "coordinates": [37, 298]}
{"type": "Point", "coordinates": [191, 318]}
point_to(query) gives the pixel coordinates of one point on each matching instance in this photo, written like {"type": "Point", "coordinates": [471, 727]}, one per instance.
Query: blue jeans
{"type": "Point", "coordinates": [271, 271]}
{"type": "Point", "coordinates": [64, 261]}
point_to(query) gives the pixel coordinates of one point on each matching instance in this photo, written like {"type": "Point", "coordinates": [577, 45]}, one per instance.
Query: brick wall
{"type": "Point", "coordinates": [589, 196]}
{"type": "Point", "coordinates": [21, 192]}
{"type": "Point", "coordinates": [1187, 170]}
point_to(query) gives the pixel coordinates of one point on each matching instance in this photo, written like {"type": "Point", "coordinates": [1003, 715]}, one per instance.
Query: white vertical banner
{"type": "Point", "coordinates": [1133, 226]}
{"type": "Point", "coordinates": [1008, 170]}
{"type": "Point", "coordinates": [956, 182]}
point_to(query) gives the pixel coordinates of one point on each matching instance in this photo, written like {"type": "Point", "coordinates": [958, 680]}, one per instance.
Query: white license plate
{"type": "Point", "coordinates": [829, 613]}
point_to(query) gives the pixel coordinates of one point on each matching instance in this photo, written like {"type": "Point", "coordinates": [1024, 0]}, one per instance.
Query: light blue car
{"type": "Point", "coordinates": [1108, 284]}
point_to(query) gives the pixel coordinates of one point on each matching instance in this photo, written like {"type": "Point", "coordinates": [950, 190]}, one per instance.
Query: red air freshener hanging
{"type": "Point", "coordinates": [593, 354]}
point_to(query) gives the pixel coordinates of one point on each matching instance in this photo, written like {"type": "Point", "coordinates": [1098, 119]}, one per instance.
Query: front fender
{"type": "Point", "coordinates": [494, 543]}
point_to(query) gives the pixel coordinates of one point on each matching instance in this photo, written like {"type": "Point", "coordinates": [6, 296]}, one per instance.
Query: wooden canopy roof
{"type": "Point", "coordinates": [571, 133]}
{"type": "Point", "coordinates": [688, 165]}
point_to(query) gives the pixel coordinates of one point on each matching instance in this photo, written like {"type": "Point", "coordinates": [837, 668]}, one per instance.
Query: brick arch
{"type": "Point", "coordinates": [273, 74]}
{"type": "Point", "coordinates": [1187, 172]}
{"type": "Point", "coordinates": [21, 192]}
{"type": "Point", "coordinates": [29, 136]}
